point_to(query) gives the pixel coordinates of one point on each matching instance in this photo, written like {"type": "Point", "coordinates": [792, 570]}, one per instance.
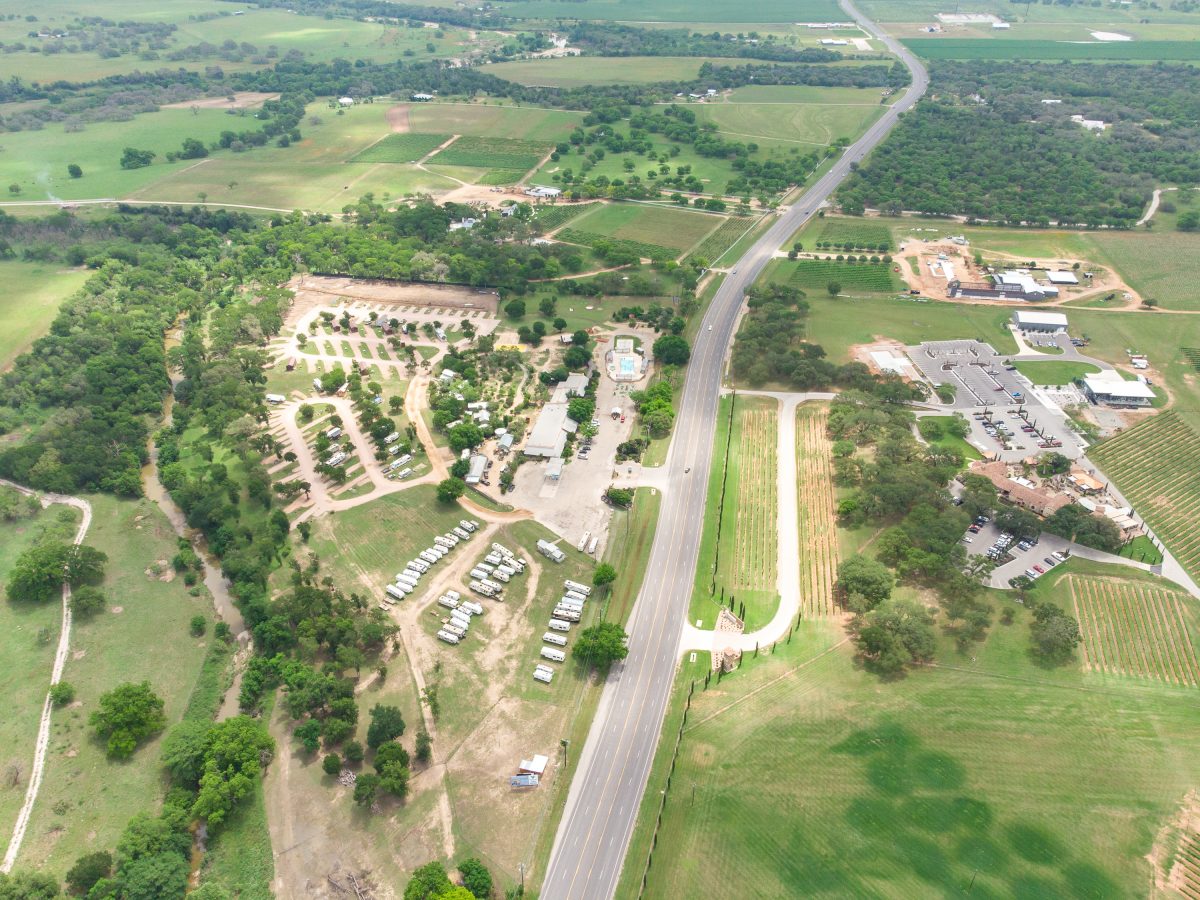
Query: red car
{"type": "Point", "coordinates": [1039, 570]}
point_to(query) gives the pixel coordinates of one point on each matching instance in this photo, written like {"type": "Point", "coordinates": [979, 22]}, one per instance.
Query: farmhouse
{"type": "Point", "coordinates": [1110, 389]}
{"type": "Point", "coordinates": [541, 192]}
{"type": "Point", "coordinates": [421, 98]}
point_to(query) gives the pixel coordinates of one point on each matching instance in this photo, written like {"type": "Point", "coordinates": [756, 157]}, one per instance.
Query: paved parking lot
{"type": "Point", "coordinates": [1023, 559]}
{"type": "Point", "coordinates": [984, 385]}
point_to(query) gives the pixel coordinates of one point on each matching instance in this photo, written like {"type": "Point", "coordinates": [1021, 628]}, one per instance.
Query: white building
{"type": "Point", "coordinates": [421, 98]}
{"type": "Point", "coordinates": [478, 467]}
{"type": "Point", "coordinates": [1062, 277]}
{"type": "Point", "coordinates": [1027, 285]}
{"type": "Point", "coordinates": [1040, 321]}
{"type": "Point", "coordinates": [1111, 389]}
{"type": "Point", "coordinates": [1090, 124]}
{"type": "Point", "coordinates": [541, 192]}
{"type": "Point", "coordinates": [345, 101]}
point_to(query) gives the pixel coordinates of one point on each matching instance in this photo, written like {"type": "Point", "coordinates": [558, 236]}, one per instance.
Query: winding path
{"type": "Point", "coordinates": [60, 660]}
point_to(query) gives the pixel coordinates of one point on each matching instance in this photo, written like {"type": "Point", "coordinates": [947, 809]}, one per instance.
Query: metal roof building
{"type": "Point", "coordinates": [1039, 321]}
{"type": "Point", "coordinates": [1111, 389]}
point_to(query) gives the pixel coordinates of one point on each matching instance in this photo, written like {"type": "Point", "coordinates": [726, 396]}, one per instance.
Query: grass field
{"type": "Point", "coordinates": [1055, 372]}
{"type": "Point", "coordinates": [401, 148]}
{"type": "Point", "coordinates": [1154, 464]}
{"type": "Point", "coordinates": [32, 295]}
{"type": "Point", "coordinates": [641, 249]}
{"type": "Point", "coordinates": [1135, 629]}
{"type": "Point", "coordinates": [1039, 13]}
{"type": "Point", "coordinates": [660, 226]}
{"type": "Point", "coordinates": [818, 550]}
{"type": "Point", "coordinates": [1054, 51]}
{"type": "Point", "coordinates": [852, 234]}
{"type": "Point", "coordinates": [85, 799]}
{"type": "Point", "coordinates": [579, 71]}
{"type": "Point", "coordinates": [807, 123]}
{"type": "Point", "coordinates": [815, 275]}
{"type": "Point", "coordinates": [920, 787]}
{"type": "Point", "coordinates": [28, 637]}
{"type": "Point", "coordinates": [952, 442]}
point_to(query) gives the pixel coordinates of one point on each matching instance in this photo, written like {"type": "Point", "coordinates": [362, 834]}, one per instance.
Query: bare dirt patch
{"type": "Point", "coordinates": [241, 100]}
{"type": "Point", "coordinates": [324, 291]}
{"type": "Point", "coordinates": [397, 118]}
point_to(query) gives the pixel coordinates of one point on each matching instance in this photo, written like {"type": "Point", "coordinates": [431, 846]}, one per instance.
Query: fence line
{"type": "Point", "coordinates": [663, 803]}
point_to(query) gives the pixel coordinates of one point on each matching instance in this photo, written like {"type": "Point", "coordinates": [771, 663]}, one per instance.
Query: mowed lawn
{"type": "Point", "coordinates": [28, 638]}
{"type": "Point", "coordinates": [659, 225]}
{"type": "Point", "coordinates": [1055, 372]}
{"type": "Point", "coordinates": [989, 775]}
{"type": "Point", "coordinates": [806, 123]}
{"type": "Point", "coordinates": [86, 799]}
{"type": "Point", "coordinates": [32, 295]}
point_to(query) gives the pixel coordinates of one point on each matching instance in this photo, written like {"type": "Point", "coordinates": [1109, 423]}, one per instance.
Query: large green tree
{"type": "Point", "coordinates": [601, 644]}
{"type": "Point", "coordinates": [894, 635]}
{"type": "Point", "coordinates": [126, 716]}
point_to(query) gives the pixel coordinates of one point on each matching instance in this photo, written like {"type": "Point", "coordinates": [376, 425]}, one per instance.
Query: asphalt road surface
{"type": "Point", "coordinates": [602, 806]}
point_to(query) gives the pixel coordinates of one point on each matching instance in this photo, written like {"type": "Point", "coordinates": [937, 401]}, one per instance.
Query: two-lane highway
{"type": "Point", "coordinates": [612, 771]}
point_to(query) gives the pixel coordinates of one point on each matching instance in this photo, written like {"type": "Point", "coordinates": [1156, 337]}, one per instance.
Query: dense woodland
{"type": "Point", "coordinates": [610, 39]}
{"type": "Point", "coordinates": [986, 145]}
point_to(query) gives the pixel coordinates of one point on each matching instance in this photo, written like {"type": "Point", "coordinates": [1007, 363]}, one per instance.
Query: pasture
{"type": "Point", "coordinates": [922, 786]}
{"type": "Point", "coordinates": [85, 799]}
{"type": "Point", "coordinates": [1135, 629]}
{"type": "Point", "coordinates": [33, 292]}
{"type": "Point", "coordinates": [812, 124]}
{"type": "Point", "coordinates": [661, 226]}
{"type": "Point", "coordinates": [1154, 464]}
{"type": "Point", "coordinates": [818, 550]}
{"type": "Point", "coordinates": [580, 71]}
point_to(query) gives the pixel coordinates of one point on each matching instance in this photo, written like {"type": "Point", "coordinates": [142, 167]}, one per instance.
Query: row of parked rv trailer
{"type": "Point", "coordinates": [458, 624]}
{"type": "Point", "coordinates": [568, 611]}
{"type": "Point", "coordinates": [494, 571]}
{"type": "Point", "coordinates": [407, 581]}
{"type": "Point", "coordinates": [588, 543]}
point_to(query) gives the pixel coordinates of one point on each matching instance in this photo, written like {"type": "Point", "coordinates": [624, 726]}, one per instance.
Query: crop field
{"type": "Point", "coordinates": [518, 122]}
{"type": "Point", "coordinates": [718, 242]}
{"type": "Point", "coordinates": [754, 469]}
{"type": "Point", "coordinates": [1134, 629]}
{"type": "Point", "coordinates": [1164, 266]}
{"type": "Point", "coordinates": [814, 275]}
{"type": "Point", "coordinates": [853, 234]}
{"type": "Point", "coordinates": [1042, 14]}
{"type": "Point", "coordinates": [591, 238]}
{"type": "Point", "coordinates": [653, 225]}
{"type": "Point", "coordinates": [401, 148]}
{"type": "Point", "coordinates": [687, 12]}
{"type": "Point", "coordinates": [1053, 51]}
{"type": "Point", "coordinates": [818, 524]}
{"type": "Point", "coordinates": [547, 218]}
{"type": "Point", "coordinates": [32, 295]}
{"type": "Point", "coordinates": [492, 153]}
{"type": "Point", "coordinates": [579, 71]}
{"type": "Point", "coordinates": [809, 123]}
{"type": "Point", "coordinates": [1155, 464]}
{"type": "Point", "coordinates": [922, 786]}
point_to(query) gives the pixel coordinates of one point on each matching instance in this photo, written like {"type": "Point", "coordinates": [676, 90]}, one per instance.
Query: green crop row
{"type": "Point", "coordinates": [591, 239]}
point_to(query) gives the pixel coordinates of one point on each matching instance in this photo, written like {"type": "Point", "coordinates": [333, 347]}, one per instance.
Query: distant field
{"type": "Point", "coordinates": [1033, 13]}
{"type": "Point", "coordinates": [801, 123]}
{"type": "Point", "coordinates": [661, 226]}
{"type": "Point", "coordinates": [802, 93]}
{"type": "Point", "coordinates": [401, 148]}
{"type": "Point", "coordinates": [1155, 464]}
{"type": "Point", "coordinates": [969, 48]}
{"type": "Point", "coordinates": [818, 550]}
{"type": "Point", "coordinates": [687, 12]}
{"type": "Point", "coordinates": [1164, 266]}
{"type": "Point", "coordinates": [578, 71]}
{"type": "Point", "coordinates": [718, 242]}
{"type": "Point", "coordinates": [492, 153]}
{"type": "Point", "coordinates": [853, 234]}
{"type": "Point", "coordinates": [496, 121]}
{"type": "Point", "coordinates": [32, 295]}
{"type": "Point", "coordinates": [548, 218]}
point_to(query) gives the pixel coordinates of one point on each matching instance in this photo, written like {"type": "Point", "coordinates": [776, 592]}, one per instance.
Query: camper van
{"type": "Point", "coordinates": [551, 638]}
{"type": "Point", "coordinates": [553, 655]}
